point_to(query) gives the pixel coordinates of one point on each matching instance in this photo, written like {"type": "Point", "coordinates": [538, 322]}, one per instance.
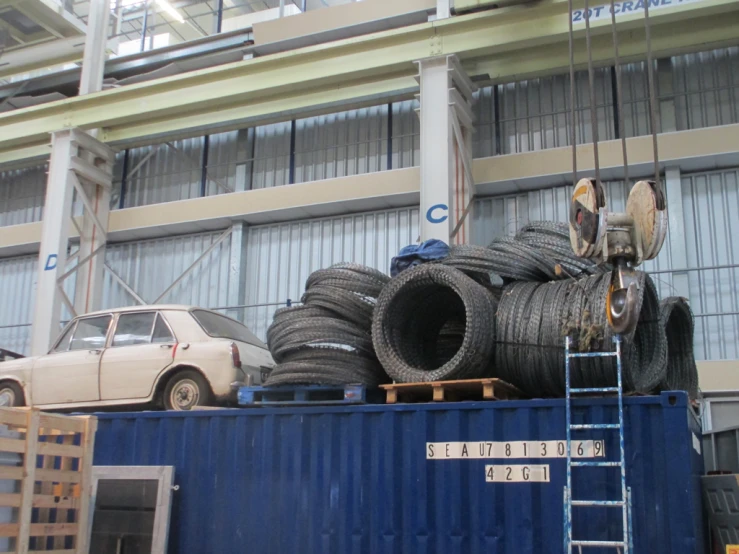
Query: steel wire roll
{"type": "Point", "coordinates": [682, 373]}
{"type": "Point", "coordinates": [533, 320]}
{"type": "Point", "coordinates": [328, 339]}
{"type": "Point", "coordinates": [423, 303]}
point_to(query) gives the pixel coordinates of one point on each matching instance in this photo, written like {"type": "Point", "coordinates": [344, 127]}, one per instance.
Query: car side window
{"type": "Point", "coordinates": [63, 344]}
{"type": "Point", "coordinates": [90, 333]}
{"type": "Point", "coordinates": [161, 334]}
{"type": "Point", "coordinates": [133, 329]}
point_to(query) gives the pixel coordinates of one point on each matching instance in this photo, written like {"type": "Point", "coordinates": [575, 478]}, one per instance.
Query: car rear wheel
{"type": "Point", "coordinates": [186, 390]}
{"type": "Point", "coordinates": [11, 395]}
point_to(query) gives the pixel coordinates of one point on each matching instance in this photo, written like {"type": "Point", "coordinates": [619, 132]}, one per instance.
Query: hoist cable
{"type": "Point", "coordinates": [573, 114]}
{"type": "Point", "coordinates": [652, 95]}
{"type": "Point", "coordinates": [591, 82]}
{"type": "Point", "coordinates": [619, 92]}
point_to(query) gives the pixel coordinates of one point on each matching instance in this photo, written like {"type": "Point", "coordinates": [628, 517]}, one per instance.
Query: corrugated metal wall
{"type": "Point", "coordinates": [280, 257]}
{"type": "Point", "coordinates": [22, 193]}
{"type": "Point", "coordinates": [17, 280]}
{"type": "Point", "coordinates": [710, 202]}
{"type": "Point", "coordinates": [164, 172]}
{"type": "Point", "coordinates": [18, 283]}
{"type": "Point", "coordinates": [706, 88]}
{"type": "Point", "coordinates": [151, 266]}
{"type": "Point", "coordinates": [336, 145]}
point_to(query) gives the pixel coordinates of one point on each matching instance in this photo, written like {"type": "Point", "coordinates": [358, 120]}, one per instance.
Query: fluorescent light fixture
{"type": "Point", "coordinates": [169, 8]}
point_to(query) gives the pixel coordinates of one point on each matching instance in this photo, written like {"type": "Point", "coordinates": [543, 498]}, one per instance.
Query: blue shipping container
{"type": "Point", "coordinates": [364, 479]}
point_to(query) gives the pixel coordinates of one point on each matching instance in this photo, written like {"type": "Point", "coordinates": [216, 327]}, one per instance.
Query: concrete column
{"type": "Point", "coordinates": [53, 250]}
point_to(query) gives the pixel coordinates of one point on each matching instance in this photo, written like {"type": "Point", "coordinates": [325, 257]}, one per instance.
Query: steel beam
{"type": "Point", "coordinates": [53, 251]}
{"type": "Point", "coordinates": [437, 150]}
{"type": "Point", "coordinates": [447, 189]}
{"type": "Point", "coordinates": [93, 60]}
{"type": "Point", "coordinates": [279, 85]}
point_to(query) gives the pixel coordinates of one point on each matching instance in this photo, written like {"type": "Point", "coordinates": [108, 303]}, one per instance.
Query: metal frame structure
{"type": "Point", "coordinates": [79, 163]}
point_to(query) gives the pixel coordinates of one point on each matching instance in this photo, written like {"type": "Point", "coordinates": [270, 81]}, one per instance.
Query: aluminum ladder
{"type": "Point", "coordinates": [626, 544]}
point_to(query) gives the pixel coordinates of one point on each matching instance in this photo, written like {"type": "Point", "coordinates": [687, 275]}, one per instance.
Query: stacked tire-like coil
{"type": "Point", "coordinates": [502, 311]}
{"type": "Point", "coordinates": [682, 373]}
{"type": "Point", "coordinates": [547, 293]}
{"type": "Point", "coordinates": [433, 322]}
{"type": "Point", "coordinates": [328, 339]}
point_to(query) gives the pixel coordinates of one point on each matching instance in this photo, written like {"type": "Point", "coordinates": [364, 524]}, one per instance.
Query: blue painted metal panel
{"type": "Point", "coordinates": [355, 479]}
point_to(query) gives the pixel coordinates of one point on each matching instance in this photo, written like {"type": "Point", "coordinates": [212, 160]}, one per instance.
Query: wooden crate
{"type": "Point", "coordinates": [53, 480]}
{"type": "Point", "coordinates": [451, 391]}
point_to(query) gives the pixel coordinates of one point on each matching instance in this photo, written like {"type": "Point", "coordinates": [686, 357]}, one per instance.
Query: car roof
{"type": "Point", "coordinates": [147, 308]}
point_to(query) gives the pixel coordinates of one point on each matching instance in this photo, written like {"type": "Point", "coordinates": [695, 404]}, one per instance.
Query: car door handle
{"type": "Point", "coordinates": [95, 351]}
{"type": "Point", "coordinates": [166, 345]}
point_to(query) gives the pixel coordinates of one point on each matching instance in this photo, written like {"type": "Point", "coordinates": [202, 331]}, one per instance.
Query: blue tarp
{"type": "Point", "coordinates": [416, 254]}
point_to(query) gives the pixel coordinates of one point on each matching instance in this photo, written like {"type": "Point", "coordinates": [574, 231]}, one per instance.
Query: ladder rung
{"type": "Point", "coordinates": [596, 464]}
{"type": "Point", "coordinates": [615, 503]}
{"type": "Point", "coordinates": [614, 544]}
{"type": "Point", "coordinates": [593, 355]}
{"type": "Point", "coordinates": [599, 389]}
{"type": "Point", "coordinates": [595, 426]}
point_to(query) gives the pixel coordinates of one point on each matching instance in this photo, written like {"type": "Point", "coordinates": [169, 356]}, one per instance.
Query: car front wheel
{"type": "Point", "coordinates": [186, 390]}
{"type": "Point", "coordinates": [11, 395]}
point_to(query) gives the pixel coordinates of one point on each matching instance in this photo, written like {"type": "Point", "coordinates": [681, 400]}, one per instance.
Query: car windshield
{"type": "Point", "coordinates": [223, 327]}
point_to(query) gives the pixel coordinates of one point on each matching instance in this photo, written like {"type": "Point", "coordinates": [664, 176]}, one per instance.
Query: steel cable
{"type": "Point", "coordinates": [427, 302]}
{"type": "Point", "coordinates": [328, 339]}
{"type": "Point", "coordinates": [682, 373]}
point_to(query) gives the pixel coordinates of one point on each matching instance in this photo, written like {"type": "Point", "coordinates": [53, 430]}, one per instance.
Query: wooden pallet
{"type": "Point", "coordinates": [451, 391]}
{"type": "Point", "coordinates": [53, 478]}
{"type": "Point", "coordinates": [305, 395]}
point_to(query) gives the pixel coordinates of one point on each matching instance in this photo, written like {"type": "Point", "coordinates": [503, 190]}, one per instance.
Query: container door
{"type": "Point", "coordinates": [142, 346]}
{"type": "Point", "coordinates": [71, 372]}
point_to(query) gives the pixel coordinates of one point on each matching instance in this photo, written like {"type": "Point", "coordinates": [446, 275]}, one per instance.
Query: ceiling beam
{"type": "Point", "coordinates": [272, 87]}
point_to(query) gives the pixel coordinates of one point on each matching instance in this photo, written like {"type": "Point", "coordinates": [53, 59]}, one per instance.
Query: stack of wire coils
{"type": "Point", "coordinates": [327, 340]}
{"type": "Point", "coordinates": [504, 311]}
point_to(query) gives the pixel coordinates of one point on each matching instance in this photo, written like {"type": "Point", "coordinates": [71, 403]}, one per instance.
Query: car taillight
{"type": "Point", "coordinates": [235, 355]}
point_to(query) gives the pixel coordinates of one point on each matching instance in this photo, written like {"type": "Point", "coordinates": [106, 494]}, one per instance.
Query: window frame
{"type": "Point", "coordinates": [164, 475]}
{"type": "Point", "coordinates": [202, 327]}
{"type": "Point", "coordinates": [76, 322]}
{"type": "Point", "coordinates": [72, 327]}
{"type": "Point", "coordinates": [157, 314]}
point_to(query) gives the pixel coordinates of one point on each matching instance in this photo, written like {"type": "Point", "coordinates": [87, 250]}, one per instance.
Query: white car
{"type": "Point", "coordinates": [175, 356]}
